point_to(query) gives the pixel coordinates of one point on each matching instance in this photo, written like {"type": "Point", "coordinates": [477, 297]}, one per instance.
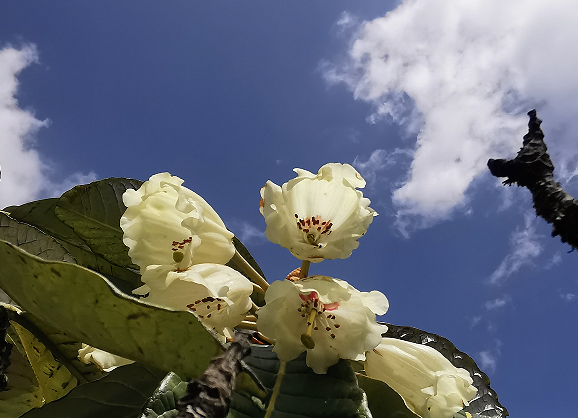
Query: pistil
{"type": "Point", "coordinates": [306, 339]}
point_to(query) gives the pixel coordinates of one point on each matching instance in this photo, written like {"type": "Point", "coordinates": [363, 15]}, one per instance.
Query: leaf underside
{"type": "Point", "coordinates": [59, 294]}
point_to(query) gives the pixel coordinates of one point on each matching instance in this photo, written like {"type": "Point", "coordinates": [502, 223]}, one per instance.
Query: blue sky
{"type": "Point", "coordinates": [228, 95]}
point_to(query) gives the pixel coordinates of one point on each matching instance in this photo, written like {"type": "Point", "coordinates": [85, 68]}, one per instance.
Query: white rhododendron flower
{"type": "Point", "coordinates": [429, 384]}
{"type": "Point", "coordinates": [169, 227]}
{"type": "Point", "coordinates": [102, 359]}
{"type": "Point", "coordinates": [317, 216]}
{"type": "Point", "coordinates": [217, 294]}
{"type": "Point", "coordinates": [325, 316]}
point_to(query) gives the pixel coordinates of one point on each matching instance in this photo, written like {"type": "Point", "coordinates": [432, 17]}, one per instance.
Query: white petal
{"type": "Point", "coordinates": [163, 217]}
{"type": "Point", "coordinates": [183, 289]}
{"type": "Point", "coordinates": [318, 216]}
{"type": "Point", "coordinates": [428, 383]}
{"type": "Point", "coordinates": [341, 325]}
{"type": "Point", "coordinates": [102, 359]}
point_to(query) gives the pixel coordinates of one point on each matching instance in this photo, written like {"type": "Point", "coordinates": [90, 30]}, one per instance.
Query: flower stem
{"type": "Point", "coordinates": [304, 269]}
{"type": "Point", "coordinates": [249, 270]}
{"type": "Point", "coordinates": [269, 340]}
{"type": "Point", "coordinates": [247, 325]}
{"type": "Point", "coordinates": [258, 288]}
{"type": "Point", "coordinates": [276, 388]}
{"type": "Point", "coordinates": [254, 308]}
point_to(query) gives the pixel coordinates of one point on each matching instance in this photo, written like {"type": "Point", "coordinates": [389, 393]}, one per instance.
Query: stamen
{"type": "Point", "coordinates": [313, 228]}
{"type": "Point", "coordinates": [213, 305]}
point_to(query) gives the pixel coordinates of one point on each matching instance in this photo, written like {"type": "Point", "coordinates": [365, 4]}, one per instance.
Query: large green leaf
{"type": "Point", "coordinates": [302, 392]}
{"type": "Point", "coordinates": [40, 214]}
{"type": "Point", "coordinates": [86, 307]}
{"type": "Point", "coordinates": [32, 240]}
{"type": "Point", "coordinates": [120, 394]}
{"type": "Point", "coordinates": [93, 211]}
{"type": "Point", "coordinates": [485, 402]}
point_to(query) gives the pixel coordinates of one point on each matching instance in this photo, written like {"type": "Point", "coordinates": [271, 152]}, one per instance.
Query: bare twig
{"type": "Point", "coordinates": [532, 168]}
{"type": "Point", "coordinates": [210, 395]}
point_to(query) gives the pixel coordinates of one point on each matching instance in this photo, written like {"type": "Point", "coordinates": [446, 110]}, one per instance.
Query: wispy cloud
{"type": "Point", "coordinates": [475, 321]}
{"type": "Point", "coordinates": [568, 297]}
{"type": "Point", "coordinates": [378, 162]}
{"type": "Point", "coordinates": [524, 248]}
{"type": "Point", "coordinates": [346, 22]}
{"type": "Point", "coordinates": [461, 75]}
{"type": "Point", "coordinates": [487, 362]}
{"type": "Point", "coordinates": [25, 173]}
{"type": "Point", "coordinates": [248, 233]}
{"type": "Point", "coordinates": [489, 358]}
{"type": "Point", "coordinates": [498, 302]}
{"type": "Point", "coordinates": [554, 261]}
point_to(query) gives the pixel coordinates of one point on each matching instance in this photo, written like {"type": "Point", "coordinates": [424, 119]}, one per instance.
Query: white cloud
{"type": "Point", "coordinates": [25, 173]}
{"type": "Point", "coordinates": [554, 261]}
{"type": "Point", "coordinates": [378, 162]}
{"type": "Point", "coordinates": [488, 359]}
{"type": "Point", "coordinates": [247, 232]}
{"type": "Point", "coordinates": [21, 164]}
{"type": "Point", "coordinates": [498, 302]}
{"type": "Point", "coordinates": [346, 21]}
{"type": "Point", "coordinates": [568, 297]}
{"type": "Point", "coordinates": [487, 362]}
{"type": "Point", "coordinates": [525, 247]}
{"type": "Point", "coordinates": [462, 74]}
{"type": "Point", "coordinates": [475, 321]}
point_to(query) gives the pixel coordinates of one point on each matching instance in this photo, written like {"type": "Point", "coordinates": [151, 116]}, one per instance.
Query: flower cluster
{"type": "Point", "coordinates": [181, 245]}
{"type": "Point", "coordinates": [318, 217]}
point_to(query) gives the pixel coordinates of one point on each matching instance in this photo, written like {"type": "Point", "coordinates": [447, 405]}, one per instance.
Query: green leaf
{"type": "Point", "coordinates": [54, 380]}
{"type": "Point", "coordinates": [93, 211]}
{"type": "Point", "coordinates": [61, 346]}
{"type": "Point", "coordinates": [384, 402]}
{"type": "Point", "coordinates": [22, 392]}
{"type": "Point", "coordinates": [165, 398]}
{"type": "Point", "coordinates": [120, 394]}
{"type": "Point", "coordinates": [32, 240]}
{"type": "Point", "coordinates": [485, 402]}
{"type": "Point", "coordinates": [302, 392]}
{"type": "Point", "coordinates": [86, 307]}
{"type": "Point", "coordinates": [40, 214]}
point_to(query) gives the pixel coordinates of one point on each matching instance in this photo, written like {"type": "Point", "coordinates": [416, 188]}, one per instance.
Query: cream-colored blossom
{"type": "Point", "coordinates": [325, 316]}
{"type": "Point", "coordinates": [217, 294]}
{"type": "Point", "coordinates": [170, 227]}
{"type": "Point", "coordinates": [102, 359]}
{"type": "Point", "coordinates": [429, 384]}
{"type": "Point", "coordinates": [318, 216]}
